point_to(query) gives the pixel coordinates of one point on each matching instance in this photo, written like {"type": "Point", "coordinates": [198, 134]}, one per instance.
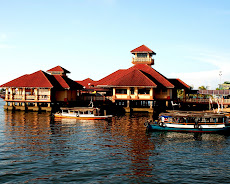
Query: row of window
{"type": "Point", "coordinates": [140, 91]}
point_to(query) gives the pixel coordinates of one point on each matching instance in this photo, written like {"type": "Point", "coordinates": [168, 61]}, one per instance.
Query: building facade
{"type": "Point", "coordinates": [140, 87]}
{"type": "Point", "coordinates": [39, 90]}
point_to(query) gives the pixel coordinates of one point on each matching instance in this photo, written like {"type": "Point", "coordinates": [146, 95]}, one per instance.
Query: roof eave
{"type": "Point", "coordinates": [112, 86]}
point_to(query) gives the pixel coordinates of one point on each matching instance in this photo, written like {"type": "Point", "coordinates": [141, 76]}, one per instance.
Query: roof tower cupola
{"type": "Point", "coordinates": [58, 70]}
{"type": "Point", "coordinates": [143, 55]}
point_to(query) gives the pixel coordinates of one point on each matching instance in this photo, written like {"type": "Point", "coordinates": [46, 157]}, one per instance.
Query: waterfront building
{"type": "Point", "coordinates": [140, 87]}
{"type": "Point", "coordinates": [39, 90]}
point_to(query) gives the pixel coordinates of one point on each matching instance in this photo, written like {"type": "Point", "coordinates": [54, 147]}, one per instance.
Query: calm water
{"type": "Point", "coordinates": [34, 148]}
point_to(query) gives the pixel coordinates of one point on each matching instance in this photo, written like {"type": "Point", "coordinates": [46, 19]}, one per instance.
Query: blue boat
{"type": "Point", "coordinates": [190, 122]}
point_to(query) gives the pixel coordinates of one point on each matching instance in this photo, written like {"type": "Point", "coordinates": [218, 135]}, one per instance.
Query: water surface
{"type": "Point", "coordinates": [35, 148]}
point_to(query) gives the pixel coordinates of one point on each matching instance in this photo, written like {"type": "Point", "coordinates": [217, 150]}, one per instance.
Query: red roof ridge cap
{"type": "Point", "coordinates": [139, 71]}
{"type": "Point", "coordinates": [43, 73]}
{"type": "Point", "coordinates": [63, 80]}
{"type": "Point", "coordinates": [142, 48]}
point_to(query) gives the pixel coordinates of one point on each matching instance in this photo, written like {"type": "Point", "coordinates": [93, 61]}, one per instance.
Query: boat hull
{"type": "Point", "coordinates": [84, 117]}
{"type": "Point", "coordinates": [156, 127]}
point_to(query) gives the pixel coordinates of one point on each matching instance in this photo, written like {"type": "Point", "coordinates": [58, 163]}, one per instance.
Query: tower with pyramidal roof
{"type": "Point", "coordinates": [143, 55]}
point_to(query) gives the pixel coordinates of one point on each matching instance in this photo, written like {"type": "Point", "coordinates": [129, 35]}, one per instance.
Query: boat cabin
{"type": "Point", "coordinates": [80, 111]}
{"type": "Point", "coordinates": [194, 118]}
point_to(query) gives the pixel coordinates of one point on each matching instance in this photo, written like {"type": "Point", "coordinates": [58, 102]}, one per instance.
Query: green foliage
{"type": "Point", "coordinates": [180, 93]}
{"type": "Point", "coordinates": [227, 82]}
{"type": "Point", "coordinates": [202, 88]}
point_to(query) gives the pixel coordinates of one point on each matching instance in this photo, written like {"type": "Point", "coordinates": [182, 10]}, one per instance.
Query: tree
{"type": "Point", "coordinates": [202, 88]}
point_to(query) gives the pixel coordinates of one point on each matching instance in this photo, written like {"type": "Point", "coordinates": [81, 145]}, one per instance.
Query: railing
{"type": "Point", "coordinates": [97, 98]}
{"type": "Point", "coordinates": [28, 97]}
{"type": "Point", "coordinates": [150, 60]}
{"type": "Point", "coordinates": [204, 100]}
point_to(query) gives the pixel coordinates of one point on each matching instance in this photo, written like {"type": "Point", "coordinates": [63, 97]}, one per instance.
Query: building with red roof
{"type": "Point", "coordinates": [39, 90]}
{"type": "Point", "coordinates": [140, 85]}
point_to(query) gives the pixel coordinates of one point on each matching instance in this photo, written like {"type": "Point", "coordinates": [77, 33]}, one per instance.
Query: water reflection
{"type": "Point", "coordinates": [40, 148]}
{"type": "Point", "coordinates": [128, 133]}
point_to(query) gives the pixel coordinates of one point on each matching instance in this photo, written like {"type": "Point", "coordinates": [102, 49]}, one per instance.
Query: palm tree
{"type": "Point", "coordinates": [202, 88]}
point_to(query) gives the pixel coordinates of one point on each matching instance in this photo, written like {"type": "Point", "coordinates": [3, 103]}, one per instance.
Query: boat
{"type": "Point", "coordinates": [87, 113]}
{"type": "Point", "coordinates": [206, 122]}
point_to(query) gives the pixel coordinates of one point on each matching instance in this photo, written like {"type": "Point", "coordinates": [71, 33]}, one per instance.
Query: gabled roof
{"type": "Point", "coordinates": [58, 69]}
{"type": "Point", "coordinates": [67, 83]}
{"type": "Point", "coordinates": [133, 78]}
{"type": "Point", "coordinates": [36, 79]}
{"type": "Point", "coordinates": [146, 70]}
{"type": "Point", "coordinates": [113, 76]}
{"type": "Point", "coordinates": [179, 84]}
{"type": "Point", "coordinates": [86, 82]}
{"type": "Point", "coordinates": [155, 75]}
{"type": "Point", "coordinates": [142, 49]}
{"type": "Point", "coordinates": [40, 79]}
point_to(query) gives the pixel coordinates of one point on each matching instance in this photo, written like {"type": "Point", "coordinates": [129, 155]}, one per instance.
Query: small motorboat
{"type": "Point", "coordinates": [190, 122]}
{"type": "Point", "coordinates": [89, 113]}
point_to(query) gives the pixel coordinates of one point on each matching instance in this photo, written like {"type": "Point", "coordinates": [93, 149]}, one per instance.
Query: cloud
{"type": "Point", "coordinates": [209, 78]}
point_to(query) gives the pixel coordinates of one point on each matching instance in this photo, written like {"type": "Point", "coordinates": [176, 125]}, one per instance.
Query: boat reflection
{"type": "Point", "coordinates": [187, 137]}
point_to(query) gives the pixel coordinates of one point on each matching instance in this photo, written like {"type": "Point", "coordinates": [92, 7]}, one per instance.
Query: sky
{"type": "Point", "coordinates": [93, 38]}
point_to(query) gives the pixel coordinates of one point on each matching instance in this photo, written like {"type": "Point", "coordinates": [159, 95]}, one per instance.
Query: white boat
{"type": "Point", "coordinates": [89, 113]}
{"type": "Point", "coordinates": [190, 122]}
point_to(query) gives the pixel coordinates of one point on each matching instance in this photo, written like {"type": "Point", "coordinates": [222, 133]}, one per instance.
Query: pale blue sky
{"type": "Point", "coordinates": [93, 38]}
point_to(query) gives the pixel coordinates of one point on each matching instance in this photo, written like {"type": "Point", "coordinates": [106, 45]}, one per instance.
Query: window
{"type": "Point", "coordinates": [56, 73]}
{"type": "Point", "coordinates": [144, 91]}
{"type": "Point", "coordinates": [132, 91]}
{"type": "Point", "coordinates": [121, 91]}
{"type": "Point", "coordinates": [142, 55]}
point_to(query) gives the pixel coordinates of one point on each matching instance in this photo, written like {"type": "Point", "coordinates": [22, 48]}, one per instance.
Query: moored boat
{"type": "Point", "coordinates": [89, 113]}
{"type": "Point", "coordinates": [190, 122]}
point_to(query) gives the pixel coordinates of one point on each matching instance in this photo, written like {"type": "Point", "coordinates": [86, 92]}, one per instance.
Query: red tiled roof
{"type": "Point", "coordinates": [67, 83]}
{"type": "Point", "coordinates": [133, 78]}
{"type": "Point", "coordinates": [36, 79]}
{"type": "Point", "coordinates": [86, 82]}
{"type": "Point", "coordinates": [186, 85]}
{"type": "Point", "coordinates": [113, 76]}
{"type": "Point", "coordinates": [61, 81]}
{"type": "Point", "coordinates": [146, 70]}
{"type": "Point", "coordinates": [40, 79]}
{"type": "Point", "coordinates": [179, 84]}
{"type": "Point", "coordinates": [142, 48]}
{"type": "Point", "coordinates": [58, 69]}
{"type": "Point", "coordinates": [154, 75]}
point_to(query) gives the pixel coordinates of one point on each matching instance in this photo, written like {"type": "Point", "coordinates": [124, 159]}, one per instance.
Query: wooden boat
{"type": "Point", "coordinates": [190, 122]}
{"type": "Point", "coordinates": [89, 113]}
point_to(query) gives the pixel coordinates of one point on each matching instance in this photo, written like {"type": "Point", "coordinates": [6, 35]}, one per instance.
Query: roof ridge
{"type": "Point", "coordinates": [147, 77]}
{"type": "Point", "coordinates": [132, 71]}
{"type": "Point", "coordinates": [46, 77]}
{"type": "Point", "coordinates": [108, 76]}
{"type": "Point", "coordinates": [148, 69]}
{"type": "Point", "coordinates": [61, 77]}
{"type": "Point", "coordinates": [58, 68]}
{"type": "Point", "coordinates": [142, 48]}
